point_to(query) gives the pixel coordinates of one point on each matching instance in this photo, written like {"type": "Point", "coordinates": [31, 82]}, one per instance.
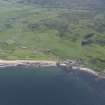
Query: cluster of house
{"type": "Point", "coordinates": [69, 63]}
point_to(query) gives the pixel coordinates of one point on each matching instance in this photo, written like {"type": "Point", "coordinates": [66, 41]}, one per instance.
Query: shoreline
{"type": "Point", "coordinates": [44, 63]}
{"type": "Point", "coordinates": [5, 63]}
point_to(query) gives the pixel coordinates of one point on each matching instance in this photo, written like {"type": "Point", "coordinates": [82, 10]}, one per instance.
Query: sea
{"type": "Point", "coordinates": [50, 86]}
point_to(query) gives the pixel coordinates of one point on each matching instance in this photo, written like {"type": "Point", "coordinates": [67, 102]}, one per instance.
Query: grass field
{"type": "Point", "coordinates": [28, 32]}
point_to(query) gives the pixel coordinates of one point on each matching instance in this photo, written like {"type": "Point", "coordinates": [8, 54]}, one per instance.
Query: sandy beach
{"type": "Point", "coordinates": [86, 70]}
{"type": "Point", "coordinates": [27, 62]}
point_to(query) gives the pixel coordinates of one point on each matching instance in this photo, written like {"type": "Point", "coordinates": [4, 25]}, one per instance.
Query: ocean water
{"type": "Point", "coordinates": [49, 86]}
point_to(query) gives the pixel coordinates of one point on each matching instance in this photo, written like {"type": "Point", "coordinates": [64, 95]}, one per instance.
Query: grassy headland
{"type": "Point", "coordinates": [32, 32]}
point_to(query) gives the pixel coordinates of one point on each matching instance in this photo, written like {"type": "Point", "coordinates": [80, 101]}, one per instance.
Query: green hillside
{"type": "Point", "coordinates": [35, 32]}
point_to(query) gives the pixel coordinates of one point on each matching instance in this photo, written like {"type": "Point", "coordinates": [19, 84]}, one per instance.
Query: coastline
{"type": "Point", "coordinates": [5, 63]}
{"type": "Point", "coordinates": [87, 70]}
{"type": "Point", "coordinates": [44, 63]}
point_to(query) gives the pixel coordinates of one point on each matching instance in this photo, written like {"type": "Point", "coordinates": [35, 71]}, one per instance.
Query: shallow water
{"type": "Point", "coordinates": [49, 86]}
